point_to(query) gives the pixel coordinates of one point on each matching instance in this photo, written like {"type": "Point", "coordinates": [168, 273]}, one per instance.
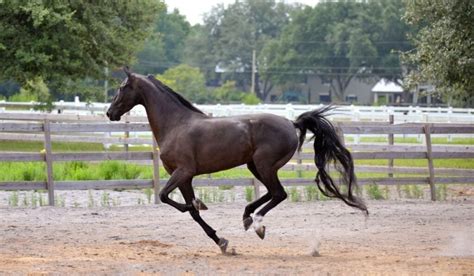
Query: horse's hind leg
{"type": "Point", "coordinates": [278, 195]}
{"type": "Point", "coordinates": [188, 195]}
{"type": "Point", "coordinates": [251, 207]}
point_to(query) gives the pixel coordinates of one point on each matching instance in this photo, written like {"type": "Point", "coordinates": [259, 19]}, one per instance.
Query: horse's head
{"type": "Point", "coordinates": [126, 98]}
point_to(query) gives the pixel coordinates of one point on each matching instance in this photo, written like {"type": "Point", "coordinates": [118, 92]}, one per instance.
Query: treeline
{"type": "Point", "coordinates": [56, 50]}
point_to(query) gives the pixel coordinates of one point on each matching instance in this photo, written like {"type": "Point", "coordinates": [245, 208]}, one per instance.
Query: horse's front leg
{"type": "Point", "coordinates": [188, 194]}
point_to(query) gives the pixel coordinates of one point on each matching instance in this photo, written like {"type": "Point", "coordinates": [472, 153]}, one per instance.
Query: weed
{"type": "Point", "coordinates": [413, 191]}
{"type": "Point", "coordinates": [25, 200]}
{"type": "Point", "coordinates": [311, 193]}
{"type": "Point", "coordinates": [217, 195]}
{"type": "Point", "coordinates": [75, 204]}
{"type": "Point", "coordinates": [148, 192]}
{"type": "Point", "coordinates": [441, 192]}
{"type": "Point", "coordinates": [116, 202]}
{"type": "Point", "coordinates": [294, 194]}
{"type": "Point", "coordinates": [386, 192]}
{"type": "Point", "coordinates": [105, 199]}
{"type": "Point", "coordinates": [417, 191]}
{"type": "Point", "coordinates": [13, 199]}
{"type": "Point", "coordinates": [90, 201]}
{"type": "Point", "coordinates": [60, 201]}
{"type": "Point", "coordinates": [249, 194]}
{"type": "Point", "coordinates": [406, 189]}
{"type": "Point", "coordinates": [374, 192]}
{"type": "Point", "coordinates": [41, 199]}
{"type": "Point", "coordinates": [34, 199]}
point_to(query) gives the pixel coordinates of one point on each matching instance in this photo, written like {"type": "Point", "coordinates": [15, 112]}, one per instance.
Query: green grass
{"type": "Point", "coordinates": [33, 146]}
{"type": "Point", "coordinates": [110, 170]}
{"type": "Point", "coordinates": [76, 170]}
{"type": "Point", "coordinates": [63, 147]}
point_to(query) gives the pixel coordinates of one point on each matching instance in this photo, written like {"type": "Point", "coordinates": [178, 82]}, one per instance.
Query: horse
{"type": "Point", "coordinates": [192, 143]}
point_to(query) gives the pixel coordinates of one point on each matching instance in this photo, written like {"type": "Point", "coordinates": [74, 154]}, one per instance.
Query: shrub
{"type": "Point", "coordinates": [374, 192]}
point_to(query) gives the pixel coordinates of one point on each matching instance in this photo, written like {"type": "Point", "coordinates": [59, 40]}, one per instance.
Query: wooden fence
{"type": "Point", "coordinates": [78, 128]}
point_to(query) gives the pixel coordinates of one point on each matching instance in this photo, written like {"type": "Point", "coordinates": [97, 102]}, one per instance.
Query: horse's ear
{"type": "Point", "coordinates": [127, 71]}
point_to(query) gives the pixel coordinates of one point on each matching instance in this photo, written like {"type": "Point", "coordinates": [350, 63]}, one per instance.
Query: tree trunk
{"type": "Point", "coordinates": [339, 85]}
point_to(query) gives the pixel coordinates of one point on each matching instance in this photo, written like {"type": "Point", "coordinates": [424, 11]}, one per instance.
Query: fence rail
{"type": "Point", "coordinates": [49, 128]}
{"type": "Point", "coordinates": [290, 111]}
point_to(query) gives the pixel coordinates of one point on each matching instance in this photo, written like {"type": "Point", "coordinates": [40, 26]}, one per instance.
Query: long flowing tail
{"type": "Point", "coordinates": [329, 149]}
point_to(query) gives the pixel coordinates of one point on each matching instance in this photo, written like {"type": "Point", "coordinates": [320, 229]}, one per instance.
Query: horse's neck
{"type": "Point", "coordinates": [165, 114]}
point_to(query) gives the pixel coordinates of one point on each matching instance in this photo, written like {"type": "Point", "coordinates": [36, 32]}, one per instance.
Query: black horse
{"type": "Point", "coordinates": [193, 143]}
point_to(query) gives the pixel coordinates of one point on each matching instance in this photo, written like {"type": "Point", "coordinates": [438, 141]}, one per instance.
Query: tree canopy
{"type": "Point", "coordinates": [444, 53]}
{"type": "Point", "coordinates": [339, 41]}
{"type": "Point", "coordinates": [164, 48]}
{"type": "Point", "coordinates": [63, 41]}
{"type": "Point", "coordinates": [186, 80]}
{"type": "Point", "coordinates": [57, 49]}
{"type": "Point", "coordinates": [230, 35]}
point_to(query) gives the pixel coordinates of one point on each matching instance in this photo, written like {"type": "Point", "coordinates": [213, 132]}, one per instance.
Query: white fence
{"type": "Point", "coordinates": [410, 114]}
{"type": "Point", "coordinates": [69, 128]}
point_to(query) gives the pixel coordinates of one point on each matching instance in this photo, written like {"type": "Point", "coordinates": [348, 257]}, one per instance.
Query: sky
{"type": "Point", "coordinates": [194, 10]}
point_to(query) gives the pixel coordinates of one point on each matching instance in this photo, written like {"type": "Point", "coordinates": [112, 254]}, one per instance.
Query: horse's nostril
{"type": "Point", "coordinates": [108, 114]}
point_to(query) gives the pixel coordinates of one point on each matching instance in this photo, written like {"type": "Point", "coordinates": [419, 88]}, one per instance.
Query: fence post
{"type": "Point", "coordinates": [391, 142]}
{"type": "Point", "coordinates": [429, 156]}
{"type": "Point", "coordinates": [156, 171]}
{"type": "Point", "coordinates": [340, 134]}
{"type": "Point", "coordinates": [49, 162]}
{"type": "Point", "coordinates": [127, 133]}
{"type": "Point", "coordinates": [299, 162]}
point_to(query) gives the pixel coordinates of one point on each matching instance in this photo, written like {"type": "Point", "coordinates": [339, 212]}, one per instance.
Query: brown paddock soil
{"type": "Point", "coordinates": [400, 237]}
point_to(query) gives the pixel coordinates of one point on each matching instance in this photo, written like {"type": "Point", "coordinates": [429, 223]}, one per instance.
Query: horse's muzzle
{"type": "Point", "coordinates": [112, 117]}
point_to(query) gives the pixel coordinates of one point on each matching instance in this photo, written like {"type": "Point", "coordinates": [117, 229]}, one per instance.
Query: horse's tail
{"type": "Point", "coordinates": [328, 148]}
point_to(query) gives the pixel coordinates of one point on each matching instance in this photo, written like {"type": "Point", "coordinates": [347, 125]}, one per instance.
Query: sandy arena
{"type": "Point", "coordinates": [400, 237]}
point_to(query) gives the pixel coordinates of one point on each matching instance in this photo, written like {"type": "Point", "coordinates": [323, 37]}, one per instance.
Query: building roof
{"type": "Point", "coordinates": [387, 86]}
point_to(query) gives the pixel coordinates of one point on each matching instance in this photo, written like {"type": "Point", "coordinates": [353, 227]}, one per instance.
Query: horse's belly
{"type": "Point", "coordinates": [223, 152]}
{"type": "Point", "coordinates": [218, 158]}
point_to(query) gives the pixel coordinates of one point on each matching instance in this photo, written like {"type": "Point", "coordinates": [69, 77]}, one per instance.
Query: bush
{"type": "Point", "coordinates": [374, 192]}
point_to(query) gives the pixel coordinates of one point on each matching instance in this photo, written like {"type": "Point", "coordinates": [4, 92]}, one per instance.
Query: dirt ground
{"type": "Point", "coordinates": [400, 237]}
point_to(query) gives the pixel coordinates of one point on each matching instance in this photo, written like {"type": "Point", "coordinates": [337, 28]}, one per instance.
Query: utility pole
{"type": "Point", "coordinates": [254, 69]}
{"type": "Point", "coordinates": [106, 84]}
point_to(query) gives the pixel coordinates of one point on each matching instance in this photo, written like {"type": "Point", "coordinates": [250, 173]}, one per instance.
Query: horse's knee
{"type": "Point", "coordinates": [163, 197]}
{"type": "Point", "coordinates": [280, 196]}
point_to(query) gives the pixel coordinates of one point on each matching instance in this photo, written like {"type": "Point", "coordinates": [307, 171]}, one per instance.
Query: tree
{"type": "Point", "coordinates": [338, 41]}
{"type": "Point", "coordinates": [64, 41]}
{"type": "Point", "coordinates": [230, 35]}
{"type": "Point", "coordinates": [444, 54]}
{"type": "Point", "coordinates": [33, 90]}
{"type": "Point", "coordinates": [165, 47]}
{"type": "Point", "coordinates": [186, 80]}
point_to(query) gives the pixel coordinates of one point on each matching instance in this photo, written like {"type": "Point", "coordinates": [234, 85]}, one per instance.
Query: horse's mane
{"type": "Point", "coordinates": [161, 86]}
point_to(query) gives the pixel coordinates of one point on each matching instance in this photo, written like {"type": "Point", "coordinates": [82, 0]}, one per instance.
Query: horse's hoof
{"type": "Point", "coordinates": [260, 232]}
{"type": "Point", "coordinates": [247, 223]}
{"type": "Point", "coordinates": [223, 243]}
{"type": "Point", "coordinates": [199, 205]}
